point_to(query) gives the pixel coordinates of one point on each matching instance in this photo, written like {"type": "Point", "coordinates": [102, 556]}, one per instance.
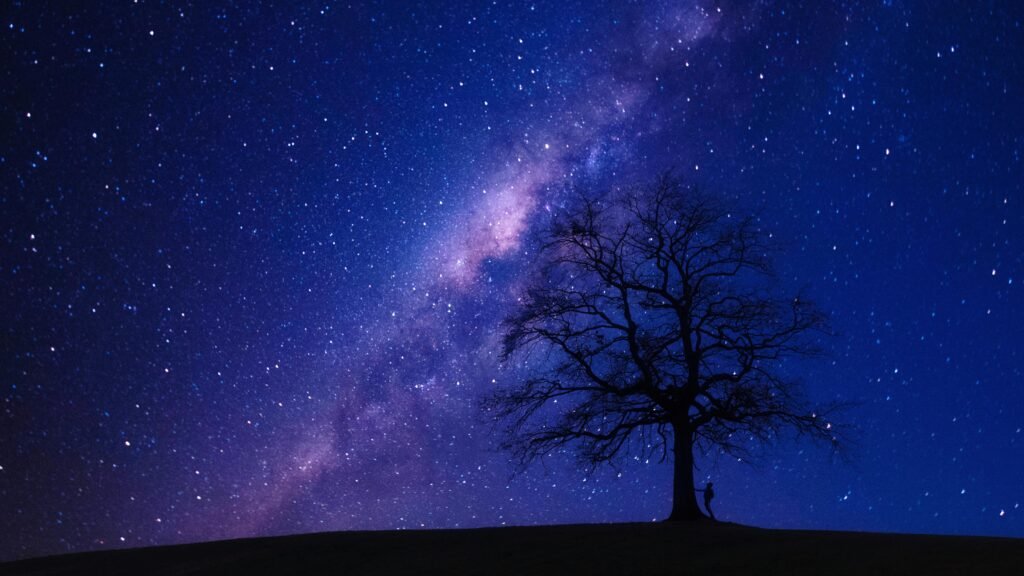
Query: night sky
{"type": "Point", "coordinates": [255, 256]}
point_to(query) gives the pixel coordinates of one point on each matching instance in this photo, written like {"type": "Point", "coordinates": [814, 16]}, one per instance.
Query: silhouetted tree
{"type": "Point", "coordinates": [651, 323]}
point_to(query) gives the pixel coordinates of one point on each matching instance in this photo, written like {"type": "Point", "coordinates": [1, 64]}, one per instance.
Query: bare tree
{"type": "Point", "coordinates": [651, 324]}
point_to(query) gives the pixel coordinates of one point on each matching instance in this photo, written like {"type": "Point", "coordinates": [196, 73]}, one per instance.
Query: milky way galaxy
{"type": "Point", "coordinates": [256, 258]}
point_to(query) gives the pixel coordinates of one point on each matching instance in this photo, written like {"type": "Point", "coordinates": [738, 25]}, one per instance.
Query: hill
{"type": "Point", "coordinates": [655, 548]}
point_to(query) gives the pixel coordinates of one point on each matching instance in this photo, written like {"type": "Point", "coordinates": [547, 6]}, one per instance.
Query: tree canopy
{"type": "Point", "coordinates": [652, 324]}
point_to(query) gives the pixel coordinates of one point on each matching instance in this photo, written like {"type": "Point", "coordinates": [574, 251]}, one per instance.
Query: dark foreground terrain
{"type": "Point", "coordinates": [684, 548]}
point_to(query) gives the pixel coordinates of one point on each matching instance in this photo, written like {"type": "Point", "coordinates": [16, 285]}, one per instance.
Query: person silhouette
{"type": "Point", "coordinates": [709, 493]}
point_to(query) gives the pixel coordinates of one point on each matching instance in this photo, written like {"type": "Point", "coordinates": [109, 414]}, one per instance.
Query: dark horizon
{"type": "Point", "coordinates": [661, 548]}
{"type": "Point", "coordinates": [255, 258]}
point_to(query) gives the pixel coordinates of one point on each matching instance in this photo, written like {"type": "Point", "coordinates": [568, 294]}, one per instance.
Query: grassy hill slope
{"type": "Point", "coordinates": [661, 548]}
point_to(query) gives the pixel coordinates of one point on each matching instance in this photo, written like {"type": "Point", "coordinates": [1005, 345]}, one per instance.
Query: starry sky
{"type": "Point", "coordinates": [255, 255]}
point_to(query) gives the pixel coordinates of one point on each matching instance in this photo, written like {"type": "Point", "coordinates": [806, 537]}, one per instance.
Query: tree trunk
{"type": "Point", "coordinates": [684, 498]}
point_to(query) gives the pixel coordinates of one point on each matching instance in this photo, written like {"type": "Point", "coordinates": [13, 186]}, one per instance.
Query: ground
{"type": "Point", "coordinates": [648, 549]}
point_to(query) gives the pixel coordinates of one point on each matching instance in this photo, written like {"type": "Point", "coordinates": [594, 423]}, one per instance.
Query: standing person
{"type": "Point", "coordinates": [709, 493]}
